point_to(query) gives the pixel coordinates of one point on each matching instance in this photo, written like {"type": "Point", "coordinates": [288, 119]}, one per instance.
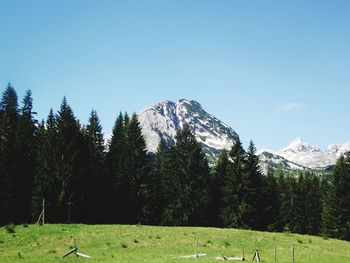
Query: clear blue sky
{"type": "Point", "coordinates": [273, 70]}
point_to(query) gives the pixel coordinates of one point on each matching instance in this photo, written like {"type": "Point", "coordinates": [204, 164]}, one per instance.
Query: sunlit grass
{"type": "Point", "coordinates": [135, 243]}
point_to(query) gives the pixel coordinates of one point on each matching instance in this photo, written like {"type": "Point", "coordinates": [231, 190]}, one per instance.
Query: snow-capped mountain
{"type": "Point", "coordinates": [164, 119]}
{"type": "Point", "coordinates": [311, 156]}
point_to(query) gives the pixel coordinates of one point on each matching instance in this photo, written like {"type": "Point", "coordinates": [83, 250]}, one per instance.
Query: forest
{"type": "Point", "coordinates": [85, 180]}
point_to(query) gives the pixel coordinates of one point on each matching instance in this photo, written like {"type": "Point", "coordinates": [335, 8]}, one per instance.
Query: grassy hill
{"type": "Point", "coordinates": [124, 243]}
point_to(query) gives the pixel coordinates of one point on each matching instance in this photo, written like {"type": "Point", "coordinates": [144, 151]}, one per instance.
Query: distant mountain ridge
{"type": "Point", "coordinates": [270, 162]}
{"type": "Point", "coordinates": [164, 119]}
{"type": "Point", "coordinates": [311, 156]}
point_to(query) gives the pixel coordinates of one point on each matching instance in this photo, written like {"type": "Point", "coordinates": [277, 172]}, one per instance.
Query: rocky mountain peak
{"type": "Point", "coordinates": [298, 145]}
{"type": "Point", "coordinates": [164, 119]}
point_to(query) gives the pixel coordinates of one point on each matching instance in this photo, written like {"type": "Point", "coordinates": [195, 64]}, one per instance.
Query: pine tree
{"type": "Point", "coordinates": [70, 164]}
{"type": "Point", "coordinates": [136, 168]}
{"type": "Point", "coordinates": [120, 204]}
{"type": "Point", "coordinates": [95, 183]}
{"type": "Point", "coordinates": [251, 184]}
{"type": "Point", "coordinates": [46, 184]}
{"type": "Point", "coordinates": [331, 214]}
{"type": "Point", "coordinates": [9, 117]}
{"type": "Point", "coordinates": [155, 204]}
{"type": "Point", "coordinates": [171, 190]}
{"type": "Point", "coordinates": [284, 191]}
{"type": "Point", "coordinates": [345, 200]}
{"type": "Point", "coordinates": [216, 187]}
{"type": "Point", "coordinates": [269, 203]}
{"type": "Point", "coordinates": [292, 205]}
{"type": "Point", "coordinates": [336, 209]}
{"type": "Point", "coordinates": [232, 189]}
{"type": "Point", "coordinates": [62, 167]}
{"type": "Point", "coordinates": [297, 220]}
{"type": "Point", "coordinates": [313, 205]}
{"type": "Point", "coordinates": [300, 203]}
{"type": "Point", "coordinates": [26, 155]}
{"type": "Point", "coordinates": [186, 182]}
{"type": "Point", "coordinates": [17, 150]}
{"type": "Point", "coordinates": [38, 180]}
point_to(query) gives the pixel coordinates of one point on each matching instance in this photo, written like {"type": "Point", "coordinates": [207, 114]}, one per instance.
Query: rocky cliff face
{"type": "Point", "coordinates": [164, 119]}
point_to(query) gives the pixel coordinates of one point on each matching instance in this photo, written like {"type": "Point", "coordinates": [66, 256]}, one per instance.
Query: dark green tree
{"type": "Point", "coordinates": [137, 169]}
{"type": "Point", "coordinates": [269, 204]}
{"type": "Point", "coordinates": [331, 214]}
{"type": "Point", "coordinates": [186, 184]}
{"type": "Point", "coordinates": [26, 154]}
{"type": "Point", "coordinates": [233, 188]}
{"type": "Point", "coordinates": [284, 190]}
{"type": "Point", "coordinates": [216, 187]}
{"type": "Point", "coordinates": [300, 203]}
{"type": "Point", "coordinates": [155, 203]}
{"type": "Point", "coordinates": [120, 204]}
{"type": "Point", "coordinates": [251, 183]}
{"type": "Point", "coordinates": [171, 189]}
{"type": "Point", "coordinates": [95, 182]}
{"type": "Point", "coordinates": [9, 117]}
{"type": "Point", "coordinates": [62, 160]}
{"type": "Point", "coordinates": [336, 209]}
{"type": "Point", "coordinates": [291, 208]}
{"type": "Point", "coordinates": [296, 218]}
{"type": "Point", "coordinates": [313, 204]}
{"type": "Point", "coordinates": [46, 184]}
{"type": "Point", "coordinates": [71, 150]}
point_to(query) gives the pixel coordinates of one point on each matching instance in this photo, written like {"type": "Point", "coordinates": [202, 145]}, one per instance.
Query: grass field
{"type": "Point", "coordinates": [135, 243]}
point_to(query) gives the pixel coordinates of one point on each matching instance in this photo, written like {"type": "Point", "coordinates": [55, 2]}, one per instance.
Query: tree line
{"type": "Point", "coordinates": [83, 180]}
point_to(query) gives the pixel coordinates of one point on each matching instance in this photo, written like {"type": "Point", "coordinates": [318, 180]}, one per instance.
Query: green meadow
{"type": "Point", "coordinates": [137, 243]}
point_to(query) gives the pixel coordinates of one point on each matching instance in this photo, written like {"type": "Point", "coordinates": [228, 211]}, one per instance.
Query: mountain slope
{"type": "Point", "coordinates": [269, 161]}
{"type": "Point", "coordinates": [164, 119]}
